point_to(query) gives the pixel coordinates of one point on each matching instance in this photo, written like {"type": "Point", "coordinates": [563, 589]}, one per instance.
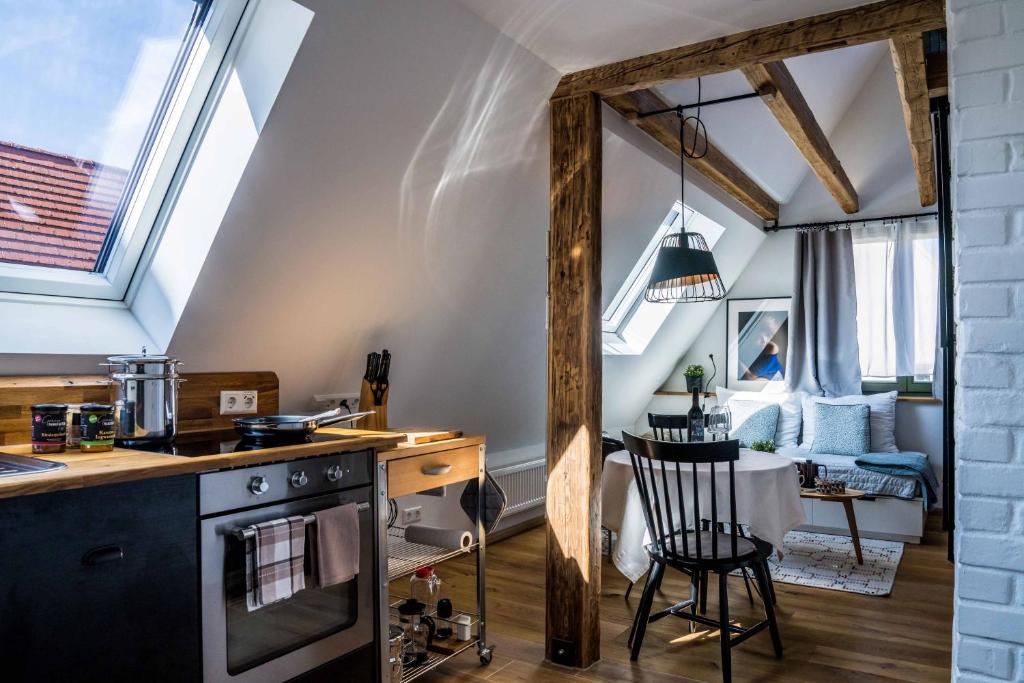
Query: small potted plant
{"type": "Point", "coordinates": [694, 377]}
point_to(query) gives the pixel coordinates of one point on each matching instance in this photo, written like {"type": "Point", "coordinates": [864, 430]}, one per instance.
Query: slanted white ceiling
{"type": "Point", "coordinates": [748, 133]}
{"type": "Point", "coordinates": [575, 34]}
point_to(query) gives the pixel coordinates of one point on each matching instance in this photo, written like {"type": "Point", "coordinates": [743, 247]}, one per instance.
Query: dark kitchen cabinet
{"type": "Point", "coordinates": [101, 584]}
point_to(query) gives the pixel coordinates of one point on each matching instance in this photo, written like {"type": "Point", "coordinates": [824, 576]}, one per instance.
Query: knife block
{"type": "Point", "coordinates": [378, 422]}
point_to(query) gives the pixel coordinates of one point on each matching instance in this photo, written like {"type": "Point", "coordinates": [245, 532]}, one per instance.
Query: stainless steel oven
{"type": "Point", "coordinates": [314, 626]}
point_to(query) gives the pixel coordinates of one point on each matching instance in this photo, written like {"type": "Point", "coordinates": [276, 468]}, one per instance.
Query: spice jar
{"type": "Point", "coordinates": [49, 427]}
{"type": "Point", "coordinates": [97, 428]}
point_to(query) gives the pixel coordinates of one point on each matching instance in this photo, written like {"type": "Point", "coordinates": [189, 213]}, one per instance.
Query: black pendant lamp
{"type": "Point", "coordinates": [685, 270]}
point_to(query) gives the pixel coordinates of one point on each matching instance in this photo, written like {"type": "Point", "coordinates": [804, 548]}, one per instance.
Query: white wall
{"type": "Point", "coordinates": [987, 96]}
{"type": "Point", "coordinates": [398, 197]}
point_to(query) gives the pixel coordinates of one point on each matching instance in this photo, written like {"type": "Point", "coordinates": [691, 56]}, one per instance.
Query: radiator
{"type": "Point", "coordinates": [524, 484]}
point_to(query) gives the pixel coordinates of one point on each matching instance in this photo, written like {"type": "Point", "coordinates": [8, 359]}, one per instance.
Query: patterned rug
{"type": "Point", "coordinates": [827, 561]}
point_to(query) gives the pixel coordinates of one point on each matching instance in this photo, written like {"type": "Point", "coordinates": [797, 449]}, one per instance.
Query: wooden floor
{"type": "Point", "coordinates": [828, 635]}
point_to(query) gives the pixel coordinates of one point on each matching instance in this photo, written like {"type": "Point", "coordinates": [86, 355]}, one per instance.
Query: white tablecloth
{"type": "Point", "coordinates": [767, 499]}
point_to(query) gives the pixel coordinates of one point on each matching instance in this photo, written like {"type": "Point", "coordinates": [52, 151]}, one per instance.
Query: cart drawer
{"type": "Point", "coordinates": [431, 470]}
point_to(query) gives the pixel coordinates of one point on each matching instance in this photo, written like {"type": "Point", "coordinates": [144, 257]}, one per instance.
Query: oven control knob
{"type": "Point", "coordinates": [258, 486]}
{"type": "Point", "coordinates": [334, 473]}
{"type": "Point", "coordinates": [299, 479]}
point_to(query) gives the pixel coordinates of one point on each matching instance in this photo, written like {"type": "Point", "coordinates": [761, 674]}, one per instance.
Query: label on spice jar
{"type": "Point", "coordinates": [49, 428]}
{"type": "Point", "coordinates": [97, 429]}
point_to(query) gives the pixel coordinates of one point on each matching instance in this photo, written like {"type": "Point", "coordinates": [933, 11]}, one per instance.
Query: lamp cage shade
{"type": "Point", "coordinates": [684, 271]}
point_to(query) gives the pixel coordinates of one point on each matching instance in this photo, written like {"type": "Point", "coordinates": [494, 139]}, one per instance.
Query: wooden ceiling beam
{"type": "Point", "coordinates": [714, 165]}
{"type": "Point", "coordinates": [787, 103]}
{"type": "Point", "coordinates": [908, 60]}
{"type": "Point", "coordinates": [854, 26]}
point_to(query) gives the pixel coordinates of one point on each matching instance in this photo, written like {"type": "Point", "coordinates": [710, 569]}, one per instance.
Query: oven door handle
{"type": "Point", "coordinates": [242, 533]}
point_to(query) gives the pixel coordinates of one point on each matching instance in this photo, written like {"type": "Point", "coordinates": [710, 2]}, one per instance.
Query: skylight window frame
{"type": "Point", "coordinates": [617, 337]}
{"type": "Point", "coordinates": [152, 179]}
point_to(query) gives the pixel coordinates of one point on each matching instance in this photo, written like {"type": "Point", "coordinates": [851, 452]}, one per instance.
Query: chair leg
{"type": "Point", "coordinates": [694, 597]}
{"type": "Point", "coordinates": [746, 584]}
{"type": "Point", "coordinates": [771, 584]}
{"type": "Point", "coordinates": [704, 593]}
{"type": "Point", "coordinates": [632, 629]}
{"type": "Point", "coordinates": [724, 633]}
{"type": "Point", "coordinates": [644, 609]}
{"type": "Point", "coordinates": [629, 589]}
{"type": "Point", "coordinates": [769, 609]}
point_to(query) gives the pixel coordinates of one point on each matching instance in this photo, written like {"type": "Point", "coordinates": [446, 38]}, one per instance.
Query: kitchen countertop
{"type": "Point", "coordinates": [123, 464]}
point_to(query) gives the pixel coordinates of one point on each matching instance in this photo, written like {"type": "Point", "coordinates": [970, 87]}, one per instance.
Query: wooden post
{"type": "Point", "coordinates": [572, 634]}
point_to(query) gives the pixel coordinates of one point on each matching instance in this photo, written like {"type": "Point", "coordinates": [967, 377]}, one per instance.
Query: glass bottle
{"type": "Point", "coordinates": [425, 586]}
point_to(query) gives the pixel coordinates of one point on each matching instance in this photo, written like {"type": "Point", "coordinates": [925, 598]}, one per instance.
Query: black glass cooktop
{"type": "Point", "coordinates": [215, 443]}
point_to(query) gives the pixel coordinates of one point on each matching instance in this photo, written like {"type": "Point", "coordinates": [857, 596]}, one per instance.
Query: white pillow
{"type": "Point", "coordinates": [787, 433]}
{"type": "Point", "coordinates": [882, 419]}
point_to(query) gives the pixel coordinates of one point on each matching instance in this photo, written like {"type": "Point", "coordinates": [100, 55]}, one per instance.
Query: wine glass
{"type": "Point", "coordinates": [719, 422]}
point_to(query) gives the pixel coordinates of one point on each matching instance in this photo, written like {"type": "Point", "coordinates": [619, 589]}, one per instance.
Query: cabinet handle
{"type": "Point", "coordinates": [102, 555]}
{"type": "Point", "coordinates": [437, 470]}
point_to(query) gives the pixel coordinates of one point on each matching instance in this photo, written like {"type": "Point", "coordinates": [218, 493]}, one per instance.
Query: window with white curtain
{"type": "Point", "coordinates": [897, 274]}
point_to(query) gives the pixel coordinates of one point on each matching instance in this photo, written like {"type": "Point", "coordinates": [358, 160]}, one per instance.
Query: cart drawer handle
{"type": "Point", "coordinates": [437, 470]}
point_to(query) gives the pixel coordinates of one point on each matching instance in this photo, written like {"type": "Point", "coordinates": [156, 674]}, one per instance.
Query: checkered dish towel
{"type": "Point", "coordinates": [275, 561]}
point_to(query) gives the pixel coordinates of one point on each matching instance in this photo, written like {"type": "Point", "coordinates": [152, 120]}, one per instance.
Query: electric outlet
{"type": "Point", "coordinates": [332, 401]}
{"type": "Point", "coordinates": [238, 402]}
{"type": "Point", "coordinates": [412, 515]}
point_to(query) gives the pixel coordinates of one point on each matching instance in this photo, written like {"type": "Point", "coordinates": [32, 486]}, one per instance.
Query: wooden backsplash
{"type": "Point", "coordinates": [198, 398]}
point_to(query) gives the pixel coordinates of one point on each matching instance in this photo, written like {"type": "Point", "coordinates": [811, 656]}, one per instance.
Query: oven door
{"type": "Point", "coordinates": [290, 637]}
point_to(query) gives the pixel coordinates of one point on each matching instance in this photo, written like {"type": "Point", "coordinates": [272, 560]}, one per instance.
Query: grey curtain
{"type": "Point", "coordinates": [824, 357]}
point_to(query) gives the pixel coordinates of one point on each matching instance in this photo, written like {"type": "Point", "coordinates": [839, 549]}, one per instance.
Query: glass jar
{"type": "Point", "coordinates": [425, 587]}
{"type": "Point", "coordinates": [418, 631]}
{"type": "Point", "coordinates": [74, 434]}
{"type": "Point", "coordinates": [97, 428]}
{"type": "Point", "coordinates": [49, 427]}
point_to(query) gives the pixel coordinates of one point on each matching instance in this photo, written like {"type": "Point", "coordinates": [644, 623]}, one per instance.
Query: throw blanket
{"type": "Point", "coordinates": [906, 465]}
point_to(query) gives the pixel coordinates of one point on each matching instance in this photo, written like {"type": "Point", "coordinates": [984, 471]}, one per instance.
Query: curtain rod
{"type": "Point", "coordinates": [709, 103]}
{"type": "Point", "coordinates": [846, 223]}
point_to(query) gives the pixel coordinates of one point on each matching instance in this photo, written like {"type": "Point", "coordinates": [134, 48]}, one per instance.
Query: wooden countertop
{"type": "Point", "coordinates": [123, 464]}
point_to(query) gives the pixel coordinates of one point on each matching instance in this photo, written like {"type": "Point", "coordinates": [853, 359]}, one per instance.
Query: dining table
{"type": "Point", "coordinates": [767, 502]}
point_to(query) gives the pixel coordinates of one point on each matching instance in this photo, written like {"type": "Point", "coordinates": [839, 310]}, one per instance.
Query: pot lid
{"type": "Point", "coordinates": [142, 359]}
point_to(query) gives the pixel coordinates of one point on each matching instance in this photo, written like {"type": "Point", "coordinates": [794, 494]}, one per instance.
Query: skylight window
{"type": "Point", "coordinates": [99, 101]}
{"type": "Point", "coordinates": [630, 322]}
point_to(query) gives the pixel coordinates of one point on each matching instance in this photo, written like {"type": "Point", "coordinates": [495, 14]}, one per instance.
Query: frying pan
{"type": "Point", "coordinates": [293, 426]}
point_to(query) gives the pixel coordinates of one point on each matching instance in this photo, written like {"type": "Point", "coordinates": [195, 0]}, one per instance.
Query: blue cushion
{"type": "Point", "coordinates": [842, 430]}
{"type": "Point", "coordinates": [758, 427]}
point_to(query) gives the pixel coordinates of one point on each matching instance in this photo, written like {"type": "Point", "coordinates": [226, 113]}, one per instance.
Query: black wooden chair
{"type": "Point", "coordinates": [673, 428]}
{"type": "Point", "coordinates": [658, 467]}
{"type": "Point", "coordinates": [667, 427]}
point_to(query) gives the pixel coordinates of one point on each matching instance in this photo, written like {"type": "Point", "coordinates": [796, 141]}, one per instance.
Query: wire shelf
{"type": "Point", "coordinates": [434, 659]}
{"type": "Point", "coordinates": [404, 557]}
{"type": "Point", "coordinates": [474, 617]}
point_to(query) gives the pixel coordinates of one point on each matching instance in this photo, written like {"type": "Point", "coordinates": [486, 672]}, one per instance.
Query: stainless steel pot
{"type": "Point", "coordinates": [145, 397]}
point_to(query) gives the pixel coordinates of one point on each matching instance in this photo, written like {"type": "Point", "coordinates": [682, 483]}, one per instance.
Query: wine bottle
{"type": "Point", "coordinates": [695, 421]}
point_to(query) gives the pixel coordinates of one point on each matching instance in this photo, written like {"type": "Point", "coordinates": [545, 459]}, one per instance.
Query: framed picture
{"type": "Point", "coordinates": [757, 335]}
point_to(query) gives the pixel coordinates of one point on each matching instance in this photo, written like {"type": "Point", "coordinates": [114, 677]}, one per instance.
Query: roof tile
{"type": "Point", "coordinates": [55, 210]}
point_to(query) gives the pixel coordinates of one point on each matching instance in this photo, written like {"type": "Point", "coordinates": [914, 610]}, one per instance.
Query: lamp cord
{"type": "Point", "coordinates": [699, 132]}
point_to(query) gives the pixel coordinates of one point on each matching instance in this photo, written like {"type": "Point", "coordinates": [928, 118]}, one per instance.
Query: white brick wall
{"type": "Point", "coordinates": [986, 48]}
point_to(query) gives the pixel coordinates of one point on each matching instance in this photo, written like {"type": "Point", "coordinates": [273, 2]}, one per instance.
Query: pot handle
{"type": "Point", "coordinates": [352, 417]}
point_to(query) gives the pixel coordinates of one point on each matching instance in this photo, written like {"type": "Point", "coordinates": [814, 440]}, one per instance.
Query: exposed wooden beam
{"type": "Point", "coordinates": [715, 166]}
{"type": "Point", "coordinates": [854, 26]}
{"type": "Point", "coordinates": [787, 103]}
{"type": "Point", "coordinates": [572, 632]}
{"type": "Point", "coordinates": [908, 60]}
